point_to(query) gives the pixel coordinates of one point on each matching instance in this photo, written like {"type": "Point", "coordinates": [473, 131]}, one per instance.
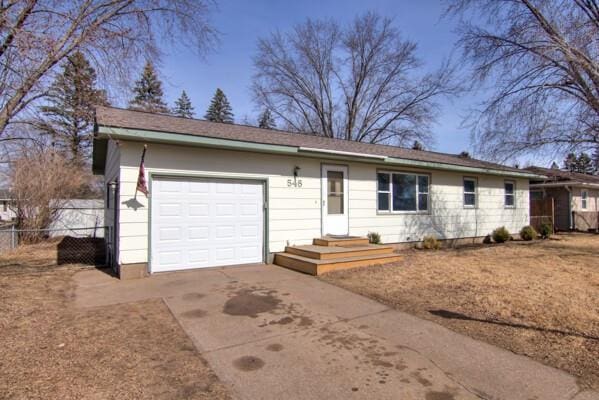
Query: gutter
{"type": "Point", "coordinates": [570, 219]}
{"type": "Point", "coordinates": [564, 185]}
{"type": "Point", "coordinates": [107, 132]}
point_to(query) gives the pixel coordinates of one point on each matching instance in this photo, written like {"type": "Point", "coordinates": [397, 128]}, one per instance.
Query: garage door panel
{"type": "Point", "coordinates": [199, 233]}
{"type": "Point", "coordinates": [204, 223]}
{"type": "Point", "coordinates": [199, 210]}
{"type": "Point", "coordinates": [167, 258]}
{"type": "Point", "coordinates": [168, 234]}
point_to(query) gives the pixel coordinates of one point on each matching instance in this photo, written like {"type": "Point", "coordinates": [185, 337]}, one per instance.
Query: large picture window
{"type": "Point", "coordinates": [402, 192]}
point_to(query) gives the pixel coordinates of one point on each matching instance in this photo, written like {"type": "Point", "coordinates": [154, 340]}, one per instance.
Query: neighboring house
{"type": "Point", "coordinates": [6, 212]}
{"type": "Point", "coordinates": [575, 197]}
{"type": "Point", "coordinates": [225, 194]}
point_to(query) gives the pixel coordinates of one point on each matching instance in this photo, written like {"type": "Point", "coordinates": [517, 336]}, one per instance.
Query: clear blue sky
{"type": "Point", "coordinates": [241, 23]}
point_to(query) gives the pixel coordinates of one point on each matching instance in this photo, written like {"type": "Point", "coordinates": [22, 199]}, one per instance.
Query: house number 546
{"type": "Point", "coordinates": [294, 183]}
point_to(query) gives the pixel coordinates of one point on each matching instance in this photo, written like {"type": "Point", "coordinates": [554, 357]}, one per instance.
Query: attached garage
{"type": "Point", "coordinates": [201, 222]}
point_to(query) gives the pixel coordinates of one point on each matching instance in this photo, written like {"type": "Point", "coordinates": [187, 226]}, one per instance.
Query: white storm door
{"type": "Point", "coordinates": [335, 216]}
{"type": "Point", "coordinates": [199, 223]}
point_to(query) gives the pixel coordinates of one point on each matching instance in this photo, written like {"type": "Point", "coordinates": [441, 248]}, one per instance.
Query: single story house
{"type": "Point", "coordinates": [6, 201]}
{"type": "Point", "coordinates": [226, 194]}
{"type": "Point", "coordinates": [574, 197]}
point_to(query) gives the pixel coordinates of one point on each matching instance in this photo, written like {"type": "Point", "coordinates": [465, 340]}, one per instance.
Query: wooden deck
{"type": "Point", "coordinates": [330, 254]}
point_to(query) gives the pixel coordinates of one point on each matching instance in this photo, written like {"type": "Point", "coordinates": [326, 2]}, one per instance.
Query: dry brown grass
{"type": "Point", "coordinates": [50, 350]}
{"type": "Point", "coordinates": [540, 299]}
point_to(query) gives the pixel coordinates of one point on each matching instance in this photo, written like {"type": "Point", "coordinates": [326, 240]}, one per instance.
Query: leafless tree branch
{"type": "Point", "coordinates": [360, 82]}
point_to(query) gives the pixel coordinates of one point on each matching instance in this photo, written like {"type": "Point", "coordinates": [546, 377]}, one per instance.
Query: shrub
{"type": "Point", "coordinates": [546, 230]}
{"type": "Point", "coordinates": [528, 233]}
{"type": "Point", "coordinates": [430, 243]}
{"type": "Point", "coordinates": [501, 235]}
{"type": "Point", "coordinates": [374, 238]}
{"type": "Point", "coordinates": [487, 240]}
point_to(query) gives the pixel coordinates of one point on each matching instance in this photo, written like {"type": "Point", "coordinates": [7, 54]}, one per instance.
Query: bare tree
{"type": "Point", "coordinates": [41, 182]}
{"type": "Point", "coordinates": [36, 35]}
{"type": "Point", "coordinates": [359, 82]}
{"type": "Point", "coordinates": [541, 60]}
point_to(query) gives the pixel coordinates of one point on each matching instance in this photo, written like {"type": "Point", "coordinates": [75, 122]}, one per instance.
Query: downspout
{"type": "Point", "coordinates": [570, 219]}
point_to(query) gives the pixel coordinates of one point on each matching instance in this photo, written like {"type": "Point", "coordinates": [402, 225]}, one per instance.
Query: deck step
{"type": "Point", "coordinates": [341, 241]}
{"type": "Point", "coordinates": [334, 252]}
{"type": "Point", "coordinates": [317, 267]}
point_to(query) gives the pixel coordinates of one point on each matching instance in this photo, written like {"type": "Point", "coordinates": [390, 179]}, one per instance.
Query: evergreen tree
{"type": "Point", "coordinates": [596, 160]}
{"type": "Point", "coordinates": [266, 120]}
{"type": "Point", "coordinates": [68, 116]}
{"type": "Point", "coordinates": [417, 145]}
{"type": "Point", "coordinates": [183, 107]}
{"type": "Point", "coordinates": [582, 163]}
{"type": "Point", "coordinates": [148, 92]}
{"type": "Point", "coordinates": [554, 165]}
{"type": "Point", "coordinates": [570, 162]}
{"type": "Point", "coordinates": [220, 109]}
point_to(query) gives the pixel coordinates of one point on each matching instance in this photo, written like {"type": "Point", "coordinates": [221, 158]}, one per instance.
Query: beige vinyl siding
{"type": "Point", "coordinates": [447, 217]}
{"type": "Point", "coordinates": [593, 195]}
{"type": "Point", "coordinates": [295, 213]}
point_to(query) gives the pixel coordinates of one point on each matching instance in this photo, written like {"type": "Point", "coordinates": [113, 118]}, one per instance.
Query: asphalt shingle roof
{"type": "Point", "coordinates": [561, 175]}
{"type": "Point", "coordinates": [122, 118]}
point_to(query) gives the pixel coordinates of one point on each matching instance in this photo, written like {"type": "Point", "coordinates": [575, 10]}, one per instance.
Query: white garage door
{"type": "Point", "coordinates": [200, 223]}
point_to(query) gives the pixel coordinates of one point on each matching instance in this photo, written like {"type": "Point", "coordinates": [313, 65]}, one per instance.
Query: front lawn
{"type": "Point", "coordinates": [539, 299]}
{"type": "Point", "coordinates": [51, 350]}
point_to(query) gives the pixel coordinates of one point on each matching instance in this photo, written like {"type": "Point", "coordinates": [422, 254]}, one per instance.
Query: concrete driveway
{"type": "Point", "coordinates": [271, 333]}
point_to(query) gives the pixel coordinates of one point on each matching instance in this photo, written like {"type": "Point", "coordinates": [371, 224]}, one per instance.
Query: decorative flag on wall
{"type": "Point", "coordinates": [141, 179]}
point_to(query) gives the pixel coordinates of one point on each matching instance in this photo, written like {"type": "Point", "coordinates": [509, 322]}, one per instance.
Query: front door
{"type": "Point", "coordinates": [335, 216]}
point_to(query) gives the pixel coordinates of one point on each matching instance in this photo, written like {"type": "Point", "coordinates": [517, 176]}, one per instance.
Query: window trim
{"type": "Point", "coordinates": [475, 180]}
{"type": "Point", "coordinates": [505, 194]}
{"type": "Point", "coordinates": [390, 192]}
{"type": "Point", "coordinates": [584, 200]}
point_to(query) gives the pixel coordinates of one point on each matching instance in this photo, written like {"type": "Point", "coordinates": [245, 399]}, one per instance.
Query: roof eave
{"type": "Point", "coordinates": [105, 131]}
{"type": "Point", "coordinates": [564, 184]}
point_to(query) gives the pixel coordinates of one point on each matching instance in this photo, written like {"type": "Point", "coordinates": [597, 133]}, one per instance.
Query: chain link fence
{"type": "Point", "coordinates": [62, 246]}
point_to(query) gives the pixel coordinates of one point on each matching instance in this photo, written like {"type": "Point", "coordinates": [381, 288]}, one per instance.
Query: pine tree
{"type": "Point", "coordinates": [570, 162]}
{"type": "Point", "coordinates": [148, 92]}
{"type": "Point", "coordinates": [68, 116]}
{"type": "Point", "coordinates": [266, 120]}
{"type": "Point", "coordinates": [582, 163]}
{"type": "Point", "coordinates": [596, 160]}
{"type": "Point", "coordinates": [183, 107]}
{"type": "Point", "coordinates": [220, 109]}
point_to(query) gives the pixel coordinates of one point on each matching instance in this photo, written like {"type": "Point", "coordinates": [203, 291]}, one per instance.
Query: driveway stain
{"type": "Point", "coordinates": [193, 296]}
{"type": "Point", "coordinates": [248, 303]}
{"type": "Point", "coordinates": [422, 380]}
{"type": "Point", "coordinates": [305, 321]}
{"type": "Point", "coordinates": [282, 321]}
{"type": "Point", "coordinates": [274, 347]}
{"type": "Point", "coordinates": [439, 396]}
{"type": "Point", "coordinates": [197, 313]}
{"type": "Point", "coordinates": [248, 363]}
